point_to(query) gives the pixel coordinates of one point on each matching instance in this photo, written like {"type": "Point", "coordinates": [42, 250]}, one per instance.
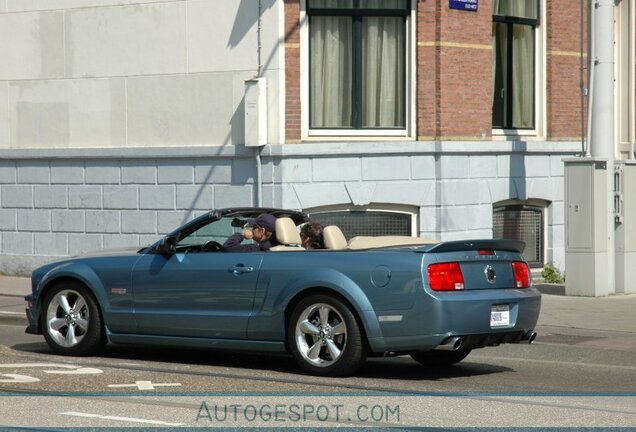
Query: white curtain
{"type": "Point", "coordinates": [330, 72]}
{"type": "Point", "coordinates": [522, 76]}
{"type": "Point", "coordinates": [516, 8]}
{"type": "Point", "coordinates": [383, 72]}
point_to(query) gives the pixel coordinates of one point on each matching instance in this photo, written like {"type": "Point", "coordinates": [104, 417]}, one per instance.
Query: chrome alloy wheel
{"type": "Point", "coordinates": [67, 318]}
{"type": "Point", "coordinates": [321, 334]}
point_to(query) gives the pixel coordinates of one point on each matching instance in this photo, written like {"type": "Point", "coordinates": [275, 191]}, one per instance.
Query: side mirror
{"type": "Point", "coordinates": [167, 246]}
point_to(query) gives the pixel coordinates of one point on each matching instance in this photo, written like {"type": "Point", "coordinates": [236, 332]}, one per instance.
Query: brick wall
{"type": "Point", "coordinates": [563, 69]}
{"type": "Point", "coordinates": [454, 59]}
{"type": "Point", "coordinates": [292, 71]}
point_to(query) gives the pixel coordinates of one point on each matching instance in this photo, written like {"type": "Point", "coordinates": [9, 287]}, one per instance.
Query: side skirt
{"type": "Point", "coordinates": [187, 342]}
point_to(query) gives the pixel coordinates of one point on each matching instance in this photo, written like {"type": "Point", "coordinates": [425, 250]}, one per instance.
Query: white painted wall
{"type": "Point", "coordinates": [106, 73]}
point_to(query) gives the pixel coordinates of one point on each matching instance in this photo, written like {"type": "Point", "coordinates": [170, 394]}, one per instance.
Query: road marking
{"type": "Point", "coordinates": [145, 385]}
{"type": "Point", "coordinates": [116, 418]}
{"type": "Point", "coordinates": [18, 379]}
{"type": "Point", "coordinates": [12, 313]}
{"type": "Point", "coordinates": [71, 369]}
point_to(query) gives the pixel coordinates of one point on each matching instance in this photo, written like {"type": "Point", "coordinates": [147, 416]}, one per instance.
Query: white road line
{"type": "Point", "coordinates": [12, 313]}
{"type": "Point", "coordinates": [123, 419]}
{"type": "Point", "coordinates": [145, 385]}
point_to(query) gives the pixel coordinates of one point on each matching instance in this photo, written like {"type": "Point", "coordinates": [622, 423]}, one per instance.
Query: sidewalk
{"type": "Point", "coordinates": [610, 314]}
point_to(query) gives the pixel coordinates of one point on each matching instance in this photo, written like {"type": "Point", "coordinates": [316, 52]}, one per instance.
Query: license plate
{"type": "Point", "coordinates": [500, 316]}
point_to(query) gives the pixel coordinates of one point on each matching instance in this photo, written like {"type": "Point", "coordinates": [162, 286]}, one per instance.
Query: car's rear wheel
{"type": "Point", "coordinates": [440, 358]}
{"type": "Point", "coordinates": [325, 338]}
{"type": "Point", "coordinates": [71, 321]}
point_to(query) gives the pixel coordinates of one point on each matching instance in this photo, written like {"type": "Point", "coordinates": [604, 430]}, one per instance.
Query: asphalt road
{"type": "Point", "coordinates": [572, 378]}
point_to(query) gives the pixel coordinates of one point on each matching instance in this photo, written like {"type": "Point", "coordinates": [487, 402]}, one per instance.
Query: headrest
{"type": "Point", "coordinates": [286, 231]}
{"type": "Point", "coordinates": [333, 238]}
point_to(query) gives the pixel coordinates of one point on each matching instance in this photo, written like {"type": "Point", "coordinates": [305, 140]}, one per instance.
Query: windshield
{"type": "Point", "coordinates": [217, 231]}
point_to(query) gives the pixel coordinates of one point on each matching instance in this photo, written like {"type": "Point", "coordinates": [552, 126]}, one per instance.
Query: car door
{"type": "Point", "coordinates": [194, 292]}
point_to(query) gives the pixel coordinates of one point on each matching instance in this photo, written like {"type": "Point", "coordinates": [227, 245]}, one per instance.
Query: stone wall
{"type": "Point", "coordinates": [58, 203]}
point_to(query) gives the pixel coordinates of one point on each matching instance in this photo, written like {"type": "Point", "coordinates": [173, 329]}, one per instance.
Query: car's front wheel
{"type": "Point", "coordinates": [324, 336]}
{"type": "Point", "coordinates": [71, 321]}
{"type": "Point", "coordinates": [440, 358]}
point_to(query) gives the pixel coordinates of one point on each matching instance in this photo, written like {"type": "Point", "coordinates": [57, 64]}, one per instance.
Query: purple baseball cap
{"type": "Point", "coordinates": [264, 220]}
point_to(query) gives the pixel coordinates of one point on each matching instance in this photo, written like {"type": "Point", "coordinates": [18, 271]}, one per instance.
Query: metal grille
{"type": "Point", "coordinates": [521, 223]}
{"type": "Point", "coordinates": [366, 223]}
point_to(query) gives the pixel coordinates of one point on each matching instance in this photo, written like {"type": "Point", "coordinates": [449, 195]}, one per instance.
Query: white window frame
{"type": "Point", "coordinates": [540, 88]}
{"type": "Point", "coordinates": [408, 132]}
{"type": "Point", "coordinates": [625, 78]}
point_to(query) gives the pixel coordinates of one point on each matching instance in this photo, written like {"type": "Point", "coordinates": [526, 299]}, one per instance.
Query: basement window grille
{"type": "Point", "coordinates": [522, 222]}
{"type": "Point", "coordinates": [366, 223]}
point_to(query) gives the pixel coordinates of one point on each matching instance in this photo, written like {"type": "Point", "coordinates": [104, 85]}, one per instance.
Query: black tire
{"type": "Point", "coordinates": [335, 349]}
{"type": "Point", "coordinates": [440, 358]}
{"type": "Point", "coordinates": [71, 320]}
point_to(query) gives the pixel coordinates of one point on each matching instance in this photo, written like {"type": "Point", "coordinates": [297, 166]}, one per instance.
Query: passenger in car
{"type": "Point", "coordinates": [262, 229]}
{"type": "Point", "coordinates": [311, 236]}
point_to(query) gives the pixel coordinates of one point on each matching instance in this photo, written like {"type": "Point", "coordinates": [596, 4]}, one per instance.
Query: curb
{"type": "Point", "coordinates": [11, 319]}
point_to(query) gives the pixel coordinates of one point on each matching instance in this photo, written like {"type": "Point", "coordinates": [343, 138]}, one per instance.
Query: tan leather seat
{"type": "Point", "coordinates": [287, 235]}
{"type": "Point", "coordinates": [362, 242]}
{"type": "Point", "coordinates": [333, 238]}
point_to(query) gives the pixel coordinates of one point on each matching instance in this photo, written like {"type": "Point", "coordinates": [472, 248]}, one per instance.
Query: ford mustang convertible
{"type": "Point", "coordinates": [330, 308]}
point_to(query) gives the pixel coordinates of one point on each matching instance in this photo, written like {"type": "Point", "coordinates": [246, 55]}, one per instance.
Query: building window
{"type": "Point", "coordinates": [357, 64]}
{"type": "Point", "coordinates": [514, 69]}
{"type": "Point", "coordinates": [522, 222]}
{"type": "Point", "coordinates": [366, 222]}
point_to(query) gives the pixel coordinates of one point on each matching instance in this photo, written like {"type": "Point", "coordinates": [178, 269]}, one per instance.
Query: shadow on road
{"type": "Point", "coordinates": [379, 369]}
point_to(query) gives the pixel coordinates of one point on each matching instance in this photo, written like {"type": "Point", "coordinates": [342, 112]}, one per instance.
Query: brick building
{"type": "Point", "coordinates": [121, 119]}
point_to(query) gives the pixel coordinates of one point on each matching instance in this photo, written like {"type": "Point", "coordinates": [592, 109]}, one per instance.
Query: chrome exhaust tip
{"type": "Point", "coordinates": [450, 344]}
{"type": "Point", "coordinates": [528, 337]}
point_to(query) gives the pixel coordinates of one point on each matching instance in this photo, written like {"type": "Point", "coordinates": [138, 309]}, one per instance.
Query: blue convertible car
{"type": "Point", "coordinates": [329, 308]}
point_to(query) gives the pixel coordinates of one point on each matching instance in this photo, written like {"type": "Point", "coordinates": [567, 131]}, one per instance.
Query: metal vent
{"type": "Point", "coordinates": [521, 223]}
{"type": "Point", "coordinates": [366, 223]}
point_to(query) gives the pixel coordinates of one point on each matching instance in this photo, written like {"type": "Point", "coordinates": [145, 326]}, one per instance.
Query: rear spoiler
{"type": "Point", "coordinates": [469, 245]}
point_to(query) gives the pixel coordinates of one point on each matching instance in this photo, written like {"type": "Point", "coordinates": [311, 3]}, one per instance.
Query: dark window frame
{"type": "Point", "coordinates": [510, 22]}
{"type": "Point", "coordinates": [358, 14]}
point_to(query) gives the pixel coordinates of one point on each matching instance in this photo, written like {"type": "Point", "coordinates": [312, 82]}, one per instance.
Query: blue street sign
{"type": "Point", "coordinates": [468, 5]}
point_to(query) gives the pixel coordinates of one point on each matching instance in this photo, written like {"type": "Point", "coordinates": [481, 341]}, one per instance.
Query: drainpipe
{"type": "Point", "coordinates": [257, 150]}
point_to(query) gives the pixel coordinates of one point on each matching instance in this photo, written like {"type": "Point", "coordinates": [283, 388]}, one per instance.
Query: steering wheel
{"type": "Point", "coordinates": [211, 246]}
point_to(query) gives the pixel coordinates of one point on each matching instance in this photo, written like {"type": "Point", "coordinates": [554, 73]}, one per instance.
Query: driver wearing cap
{"type": "Point", "coordinates": [262, 232]}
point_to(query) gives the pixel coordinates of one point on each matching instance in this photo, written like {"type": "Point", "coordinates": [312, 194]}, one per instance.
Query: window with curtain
{"type": "Point", "coordinates": [357, 55]}
{"type": "Point", "coordinates": [513, 41]}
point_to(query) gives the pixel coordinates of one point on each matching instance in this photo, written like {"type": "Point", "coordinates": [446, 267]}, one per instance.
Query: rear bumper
{"type": "Point", "coordinates": [436, 318]}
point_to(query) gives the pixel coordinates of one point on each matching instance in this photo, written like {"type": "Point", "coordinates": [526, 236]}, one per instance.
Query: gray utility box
{"type": "Point", "coordinates": [626, 230]}
{"type": "Point", "coordinates": [589, 269]}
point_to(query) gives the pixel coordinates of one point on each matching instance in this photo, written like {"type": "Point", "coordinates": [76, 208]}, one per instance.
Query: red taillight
{"type": "Point", "coordinates": [486, 252]}
{"type": "Point", "coordinates": [445, 277]}
{"type": "Point", "coordinates": [522, 274]}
